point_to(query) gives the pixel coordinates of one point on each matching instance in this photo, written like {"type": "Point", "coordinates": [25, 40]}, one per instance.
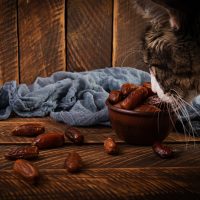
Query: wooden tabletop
{"type": "Point", "coordinates": [136, 173]}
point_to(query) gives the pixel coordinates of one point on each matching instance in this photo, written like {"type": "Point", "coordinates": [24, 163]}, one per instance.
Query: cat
{"type": "Point", "coordinates": [171, 47]}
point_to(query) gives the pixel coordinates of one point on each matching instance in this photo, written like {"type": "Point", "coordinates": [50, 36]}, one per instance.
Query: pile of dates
{"type": "Point", "coordinates": [141, 99]}
{"type": "Point", "coordinates": [137, 98]}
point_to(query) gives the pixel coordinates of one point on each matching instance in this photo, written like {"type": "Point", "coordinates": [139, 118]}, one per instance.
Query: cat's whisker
{"type": "Point", "coordinates": [185, 102]}
{"type": "Point", "coordinates": [187, 117]}
{"type": "Point", "coordinates": [174, 104]}
{"type": "Point", "coordinates": [185, 113]}
{"type": "Point", "coordinates": [130, 53]}
{"type": "Point", "coordinates": [169, 111]}
{"type": "Point", "coordinates": [194, 133]}
{"type": "Point", "coordinates": [192, 107]}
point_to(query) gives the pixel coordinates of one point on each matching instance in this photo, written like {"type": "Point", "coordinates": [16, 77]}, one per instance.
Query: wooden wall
{"type": "Point", "coordinates": [38, 37]}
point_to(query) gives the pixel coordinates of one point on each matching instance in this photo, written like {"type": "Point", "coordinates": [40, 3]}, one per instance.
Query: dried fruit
{"type": "Point", "coordinates": [110, 146]}
{"type": "Point", "coordinates": [28, 152]}
{"type": "Point", "coordinates": [148, 86]}
{"type": "Point", "coordinates": [74, 135]}
{"type": "Point", "coordinates": [118, 105]}
{"type": "Point", "coordinates": [127, 88]}
{"type": "Point", "coordinates": [26, 170]}
{"type": "Point", "coordinates": [28, 130]}
{"type": "Point", "coordinates": [115, 96]}
{"type": "Point", "coordinates": [134, 98]}
{"type": "Point", "coordinates": [49, 140]}
{"type": "Point", "coordinates": [162, 151]}
{"type": "Point", "coordinates": [73, 162]}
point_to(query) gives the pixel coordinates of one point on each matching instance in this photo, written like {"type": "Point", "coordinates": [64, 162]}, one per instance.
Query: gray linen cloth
{"type": "Point", "coordinates": [75, 98]}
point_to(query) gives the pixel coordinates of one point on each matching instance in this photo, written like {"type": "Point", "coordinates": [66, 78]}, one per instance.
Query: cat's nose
{"type": "Point", "coordinates": [157, 89]}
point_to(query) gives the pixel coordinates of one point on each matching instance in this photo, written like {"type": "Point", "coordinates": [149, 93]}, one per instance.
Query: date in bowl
{"type": "Point", "coordinates": [140, 128]}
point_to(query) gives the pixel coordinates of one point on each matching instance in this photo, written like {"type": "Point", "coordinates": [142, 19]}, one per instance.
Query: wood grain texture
{"type": "Point", "coordinates": [41, 38]}
{"type": "Point", "coordinates": [109, 184]}
{"type": "Point", "coordinates": [93, 156]}
{"type": "Point", "coordinates": [8, 41]}
{"type": "Point", "coordinates": [93, 135]}
{"type": "Point", "coordinates": [136, 173]}
{"type": "Point", "coordinates": [89, 34]}
{"type": "Point", "coordinates": [127, 34]}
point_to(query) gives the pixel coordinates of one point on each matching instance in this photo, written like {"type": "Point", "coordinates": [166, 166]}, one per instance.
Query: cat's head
{"type": "Point", "coordinates": [172, 47]}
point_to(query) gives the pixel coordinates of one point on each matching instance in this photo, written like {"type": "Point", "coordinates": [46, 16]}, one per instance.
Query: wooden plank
{"type": "Point", "coordinates": [41, 38]}
{"type": "Point", "coordinates": [127, 34]}
{"type": "Point", "coordinates": [8, 41]}
{"type": "Point", "coordinates": [89, 34]}
{"type": "Point", "coordinates": [95, 157]}
{"type": "Point", "coordinates": [111, 184]}
{"type": "Point", "coordinates": [93, 135]}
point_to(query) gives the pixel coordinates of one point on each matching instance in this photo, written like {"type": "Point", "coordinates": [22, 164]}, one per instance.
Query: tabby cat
{"type": "Point", "coordinates": [171, 47]}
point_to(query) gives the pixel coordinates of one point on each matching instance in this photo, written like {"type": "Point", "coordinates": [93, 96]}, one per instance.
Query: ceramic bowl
{"type": "Point", "coordinates": [140, 128]}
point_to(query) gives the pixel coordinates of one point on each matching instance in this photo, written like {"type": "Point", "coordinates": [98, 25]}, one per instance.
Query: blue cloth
{"type": "Point", "coordinates": [73, 98]}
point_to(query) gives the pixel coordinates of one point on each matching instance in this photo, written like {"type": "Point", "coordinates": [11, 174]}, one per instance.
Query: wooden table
{"type": "Point", "coordinates": [137, 173]}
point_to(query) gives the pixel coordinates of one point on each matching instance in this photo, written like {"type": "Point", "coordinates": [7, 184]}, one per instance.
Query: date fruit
{"type": "Point", "coordinates": [28, 152]}
{"type": "Point", "coordinates": [134, 98]}
{"type": "Point", "coordinates": [110, 146]}
{"type": "Point", "coordinates": [148, 86]}
{"type": "Point", "coordinates": [49, 140]}
{"type": "Point", "coordinates": [73, 162]}
{"type": "Point", "coordinates": [162, 151]}
{"type": "Point", "coordinates": [28, 130]}
{"type": "Point", "coordinates": [115, 96]}
{"type": "Point", "coordinates": [75, 136]}
{"type": "Point", "coordinates": [26, 170]}
{"type": "Point", "coordinates": [118, 105]}
{"type": "Point", "coordinates": [127, 88]}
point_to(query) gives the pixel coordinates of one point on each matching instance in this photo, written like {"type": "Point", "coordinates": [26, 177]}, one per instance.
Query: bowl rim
{"type": "Point", "coordinates": [130, 112]}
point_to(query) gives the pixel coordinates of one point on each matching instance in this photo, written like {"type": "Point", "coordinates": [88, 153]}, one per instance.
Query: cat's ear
{"type": "Point", "coordinates": [172, 8]}
{"type": "Point", "coordinates": [179, 10]}
{"type": "Point", "coordinates": [161, 11]}
{"type": "Point", "coordinates": [152, 11]}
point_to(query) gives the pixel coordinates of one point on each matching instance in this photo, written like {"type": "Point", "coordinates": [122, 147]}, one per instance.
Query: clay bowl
{"type": "Point", "coordinates": [140, 128]}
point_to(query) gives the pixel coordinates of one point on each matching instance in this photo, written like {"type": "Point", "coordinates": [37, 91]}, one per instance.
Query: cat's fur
{"type": "Point", "coordinates": [171, 46]}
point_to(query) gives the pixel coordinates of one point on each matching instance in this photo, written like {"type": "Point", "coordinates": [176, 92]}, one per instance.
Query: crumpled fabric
{"type": "Point", "coordinates": [75, 98]}
{"type": "Point", "coordinates": [78, 98]}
